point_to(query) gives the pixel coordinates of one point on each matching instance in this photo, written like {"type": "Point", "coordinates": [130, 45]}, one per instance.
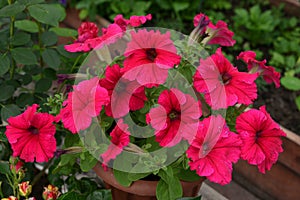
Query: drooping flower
{"type": "Point", "coordinates": [133, 21]}
{"type": "Point", "coordinates": [267, 72]}
{"type": "Point", "coordinates": [51, 193]}
{"type": "Point", "coordinates": [222, 84]}
{"type": "Point", "coordinates": [31, 135]}
{"type": "Point", "coordinates": [25, 188]}
{"type": "Point", "coordinates": [215, 34]}
{"type": "Point", "coordinates": [84, 103]}
{"type": "Point", "coordinates": [175, 118]}
{"type": "Point", "coordinates": [149, 55]}
{"type": "Point", "coordinates": [261, 138]}
{"type": "Point", "coordinates": [214, 149]}
{"type": "Point", "coordinates": [125, 95]}
{"type": "Point", "coordinates": [119, 139]}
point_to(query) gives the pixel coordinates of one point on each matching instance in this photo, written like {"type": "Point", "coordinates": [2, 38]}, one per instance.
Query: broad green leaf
{"type": "Point", "coordinates": [297, 100]}
{"type": "Point", "coordinates": [4, 64]}
{"type": "Point", "coordinates": [291, 83]}
{"type": "Point", "coordinates": [122, 178]}
{"type": "Point", "coordinates": [11, 10]}
{"type": "Point", "coordinates": [6, 92]}
{"type": "Point", "coordinates": [30, 2]}
{"type": "Point", "coordinates": [27, 25]}
{"type": "Point", "coordinates": [20, 38]}
{"type": "Point", "coordinates": [50, 73]}
{"type": "Point", "coordinates": [49, 38]}
{"type": "Point", "coordinates": [43, 85]}
{"type": "Point", "coordinates": [9, 110]}
{"type": "Point", "coordinates": [24, 56]}
{"type": "Point", "coordinates": [51, 58]}
{"type": "Point", "coordinates": [72, 195]}
{"type": "Point", "coordinates": [25, 99]}
{"type": "Point", "coordinates": [47, 13]}
{"type": "Point", "coordinates": [4, 167]}
{"type": "Point", "coordinates": [100, 195]}
{"type": "Point", "coordinates": [65, 32]}
{"type": "Point", "coordinates": [188, 175]}
{"type": "Point", "coordinates": [88, 162]}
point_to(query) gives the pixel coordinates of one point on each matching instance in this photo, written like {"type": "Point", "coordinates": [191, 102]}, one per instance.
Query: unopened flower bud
{"type": "Point", "coordinates": [51, 193]}
{"type": "Point", "coordinates": [10, 198]}
{"type": "Point", "coordinates": [25, 189]}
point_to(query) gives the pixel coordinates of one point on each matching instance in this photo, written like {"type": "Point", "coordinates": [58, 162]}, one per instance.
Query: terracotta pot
{"type": "Point", "coordinates": [140, 190]}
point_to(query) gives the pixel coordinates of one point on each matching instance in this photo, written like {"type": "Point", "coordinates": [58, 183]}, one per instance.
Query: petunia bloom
{"type": "Point", "coordinates": [125, 95]}
{"type": "Point", "coordinates": [84, 103]}
{"type": "Point", "coordinates": [261, 138]}
{"type": "Point", "coordinates": [222, 84]}
{"type": "Point", "coordinates": [175, 118]}
{"type": "Point", "coordinates": [119, 139]}
{"type": "Point", "coordinates": [133, 21]}
{"type": "Point", "coordinates": [31, 135]}
{"type": "Point", "coordinates": [214, 149]}
{"type": "Point", "coordinates": [267, 72]}
{"type": "Point", "coordinates": [149, 55]}
{"type": "Point", "coordinates": [214, 34]}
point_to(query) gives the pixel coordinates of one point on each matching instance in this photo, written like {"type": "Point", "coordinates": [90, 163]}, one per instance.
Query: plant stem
{"type": "Point", "coordinates": [40, 44]}
{"type": "Point", "coordinates": [11, 35]}
{"type": "Point", "coordinates": [41, 173]}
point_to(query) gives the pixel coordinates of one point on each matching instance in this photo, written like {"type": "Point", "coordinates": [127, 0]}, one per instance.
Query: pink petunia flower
{"type": "Point", "coordinates": [215, 34]}
{"type": "Point", "coordinates": [119, 139]}
{"type": "Point", "coordinates": [125, 95]}
{"type": "Point", "coordinates": [31, 135]}
{"type": "Point", "coordinates": [149, 55]}
{"type": "Point", "coordinates": [261, 138]}
{"type": "Point", "coordinates": [222, 84]}
{"type": "Point", "coordinates": [175, 118]}
{"type": "Point", "coordinates": [267, 72]}
{"type": "Point", "coordinates": [133, 21]}
{"type": "Point", "coordinates": [84, 103]}
{"type": "Point", "coordinates": [214, 149]}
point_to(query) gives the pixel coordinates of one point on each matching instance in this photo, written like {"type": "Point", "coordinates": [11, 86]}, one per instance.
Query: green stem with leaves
{"type": "Point", "coordinates": [11, 35]}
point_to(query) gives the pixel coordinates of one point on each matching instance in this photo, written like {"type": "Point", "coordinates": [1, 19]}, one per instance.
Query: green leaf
{"type": "Point", "coordinates": [169, 186]}
{"type": "Point", "coordinates": [291, 83]}
{"type": "Point", "coordinates": [20, 38]}
{"type": "Point", "coordinates": [6, 92]}
{"type": "Point", "coordinates": [100, 195]}
{"type": "Point", "coordinates": [178, 6]}
{"type": "Point", "coordinates": [43, 85]}
{"type": "Point", "coordinates": [30, 2]}
{"type": "Point", "coordinates": [188, 175]}
{"type": "Point", "coordinates": [24, 56]}
{"type": "Point", "coordinates": [27, 25]}
{"type": "Point", "coordinates": [122, 178]}
{"type": "Point", "coordinates": [49, 38]}
{"type": "Point", "coordinates": [88, 162]}
{"type": "Point", "coordinates": [25, 99]}
{"type": "Point", "coordinates": [47, 13]}
{"type": "Point", "coordinates": [65, 32]}
{"type": "Point", "coordinates": [51, 58]}
{"type": "Point", "coordinates": [72, 195]}
{"type": "Point", "coordinates": [297, 100]}
{"type": "Point", "coordinates": [9, 111]}
{"type": "Point", "coordinates": [11, 10]}
{"type": "Point", "coordinates": [4, 167]}
{"type": "Point", "coordinates": [50, 73]}
{"type": "Point", "coordinates": [4, 64]}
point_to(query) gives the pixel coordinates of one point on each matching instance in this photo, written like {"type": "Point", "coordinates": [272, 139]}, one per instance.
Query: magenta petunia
{"type": "Point", "coordinates": [31, 135]}
{"type": "Point", "coordinates": [133, 21]}
{"type": "Point", "coordinates": [84, 103]}
{"type": "Point", "coordinates": [215, 34]}
{"type": "Point", "coordinates": [149, 55]}
{"type": "Point", "coordinates": [267, 72]}
{"type": "Point", "coordinates": [119, 139]}
{"type": "Point", "coordinates": [175, 118]}
{"type": "Point", "coordinates": [222, 84]}
{"type": "Point", "coordinates": [261, 138]}
{"type": "Point", "coordinates": [214, 149]}
{"type": "Point", "coordinates": [125, 95]}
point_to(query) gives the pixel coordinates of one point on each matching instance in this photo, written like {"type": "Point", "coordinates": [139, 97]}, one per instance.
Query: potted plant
{"type": "Point", "coordinates": [152, 104]}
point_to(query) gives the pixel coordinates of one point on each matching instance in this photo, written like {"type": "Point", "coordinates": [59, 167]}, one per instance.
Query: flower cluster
{"type": "Point", "coordinates": [140, 85]}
